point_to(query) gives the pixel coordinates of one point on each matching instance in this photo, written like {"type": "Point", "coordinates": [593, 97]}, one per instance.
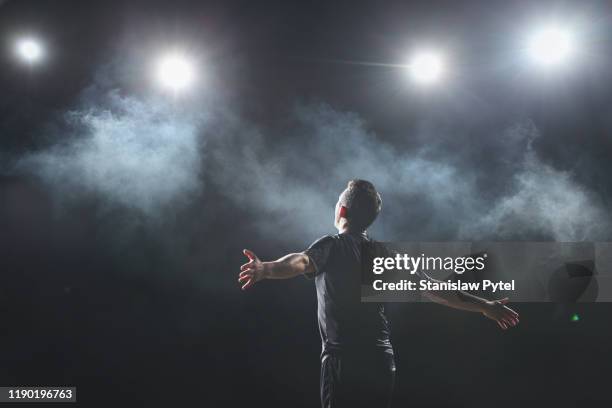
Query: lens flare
{"type": "Point", "coordinates": [426, 67]}
{"type": "Point", "coordinates": [29, 50]}
{"type": "Point", "coordinates": [175, 72]}
{"type": "Point", "coordinates": [551, 46]}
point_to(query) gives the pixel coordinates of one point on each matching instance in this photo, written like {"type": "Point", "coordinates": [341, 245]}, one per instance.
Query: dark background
{"type": "Point", "coordinates": [153, 314]}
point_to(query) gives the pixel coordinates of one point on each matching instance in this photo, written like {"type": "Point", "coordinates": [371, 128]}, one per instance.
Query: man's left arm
{"type": "Point", "coordinates": [493, 309]}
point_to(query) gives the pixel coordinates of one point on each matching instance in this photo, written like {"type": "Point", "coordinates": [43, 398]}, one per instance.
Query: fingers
{"type": "Point", "coordinates": [508, 321]}
{"type": "Point", "coordinates": [503, 315]}
{"type": "Point", "coordinates": [511, 315]}
{"type": "Point", "coordinates": [248, 284]}
{"type": "Point", "coordinates": [512, 312]}
{"type": "Point", "coordinates": [247, 279]}
{"type": "Point", "coordinates": [513, 319]}
{"type": "Point", "coordinates": [247, 271]}
{"type": "Point", "coordinates": [250, 254]}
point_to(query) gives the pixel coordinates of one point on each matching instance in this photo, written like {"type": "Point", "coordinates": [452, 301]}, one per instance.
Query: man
{"type": "Point", "coordinates": [357, 365]}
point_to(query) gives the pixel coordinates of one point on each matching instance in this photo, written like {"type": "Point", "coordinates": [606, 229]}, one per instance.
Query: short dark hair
{"type": "Point", "coordinates": [362, 202]}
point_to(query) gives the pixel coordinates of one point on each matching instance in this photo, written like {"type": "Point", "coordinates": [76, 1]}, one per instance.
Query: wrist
{"type": "Point", "coordinates": [266, 270]}
{"type": "Point", "coordinates": [485, 306]}
{"type": "Point", "coordinates": [474, 303]}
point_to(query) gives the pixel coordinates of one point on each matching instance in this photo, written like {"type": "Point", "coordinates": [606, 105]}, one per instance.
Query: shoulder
{"type": "Point", "coordinates": [319, 253]}
{"type": "Point", "coordinates": [325, 240]}
{"type": "Point", "coordinates": [377, 248]}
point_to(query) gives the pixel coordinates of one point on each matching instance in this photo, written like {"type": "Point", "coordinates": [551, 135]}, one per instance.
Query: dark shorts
{"type": "Point", "coordinates": [348, 381]}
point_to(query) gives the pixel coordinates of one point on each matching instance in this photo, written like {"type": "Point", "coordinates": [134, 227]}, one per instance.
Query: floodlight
{"type": "Point", "coordinates": [29, 49]}
{"type": "Point", "coordinates": [175, 72]}
{"type": "Point", "coordinates": [426, 67]}
{"type": "Point", "coordinates": [551, 46]}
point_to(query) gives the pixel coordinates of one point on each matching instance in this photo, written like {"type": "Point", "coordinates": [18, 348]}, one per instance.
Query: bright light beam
{"type": "Point", "coordinates": [426, 67]}
{"type": "Point", "coordinates": [29, 50]}
{"type": "Point", "coordinates": [551, 46]}
{"type": "Point", "coordinates": [175, 72]}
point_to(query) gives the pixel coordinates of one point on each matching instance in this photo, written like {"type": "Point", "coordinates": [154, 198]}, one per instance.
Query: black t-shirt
{"type": "Point", "coordinates": [345, 323]}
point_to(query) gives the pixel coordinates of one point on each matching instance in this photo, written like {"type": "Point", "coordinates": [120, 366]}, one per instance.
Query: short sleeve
{"type": "Point", "coordinates": [418, 274]}
{"type": "Point", "coordinates": [318, 253]}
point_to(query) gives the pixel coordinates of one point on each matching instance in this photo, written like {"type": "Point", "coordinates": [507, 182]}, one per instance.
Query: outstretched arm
{"type": "Point", "coordinates": [493, 309]}
{"type": "Point", "coordinates": [284, 268]}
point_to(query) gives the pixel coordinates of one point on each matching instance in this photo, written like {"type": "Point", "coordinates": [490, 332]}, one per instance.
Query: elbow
{"type": "Point", "coordinates": [435, 297]}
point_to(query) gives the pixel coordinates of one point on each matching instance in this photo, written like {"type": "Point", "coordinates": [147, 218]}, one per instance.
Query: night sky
{"type": "Point", "coordinates": [124, 210]}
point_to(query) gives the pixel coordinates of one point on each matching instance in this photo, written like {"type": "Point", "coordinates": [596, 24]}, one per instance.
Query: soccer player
{"type": "Point", "coordinates": [357, 364]}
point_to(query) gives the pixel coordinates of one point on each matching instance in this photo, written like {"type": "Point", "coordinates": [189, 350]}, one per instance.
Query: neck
{"type": "Point", "coordinates": [346, 229]}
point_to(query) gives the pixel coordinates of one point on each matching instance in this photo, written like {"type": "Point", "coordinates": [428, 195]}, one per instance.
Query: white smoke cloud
{"type": "Point", "coordinates": [140, 154]}
{"type": "Point", "coordinates": [148, 154]}
{"type": "Point", "coordinates": [545, 203]}
{"type": "Point", "coordinates": [292, 184]}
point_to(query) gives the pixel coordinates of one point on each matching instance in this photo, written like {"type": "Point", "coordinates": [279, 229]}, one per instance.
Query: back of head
{"type": "Point", "coordinates": [362, 202]}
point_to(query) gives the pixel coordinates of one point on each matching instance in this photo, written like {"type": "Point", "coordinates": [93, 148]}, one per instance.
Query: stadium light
{"type": "Point", "coordinates": [550, 46]}
{"type": "Point", "coordinates": [29, 50]}
{"type": "Point", "coordinates": [175, 72]}
{"type": "Point", "coordinates": [426, 67]}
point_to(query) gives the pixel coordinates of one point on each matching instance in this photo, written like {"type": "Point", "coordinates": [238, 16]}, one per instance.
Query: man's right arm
{"type": "Point", "coordinates": [288, 266]}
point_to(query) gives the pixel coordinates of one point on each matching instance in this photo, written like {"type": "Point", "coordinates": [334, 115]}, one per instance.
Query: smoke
{"type": "Point", "coordinates": [147, 155]}
{"type": "Point", "coordinates": [544, 204]}
{"type": "Point", "coordinates": [142, 154]}
{"type": "Point", "coordinates": [291, 184]}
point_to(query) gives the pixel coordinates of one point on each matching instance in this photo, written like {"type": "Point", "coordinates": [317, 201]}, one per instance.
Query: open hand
{"type": "Point", "coordinates": [252, 271]}
{"type": "Point", "coordinates": [502, 314]}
